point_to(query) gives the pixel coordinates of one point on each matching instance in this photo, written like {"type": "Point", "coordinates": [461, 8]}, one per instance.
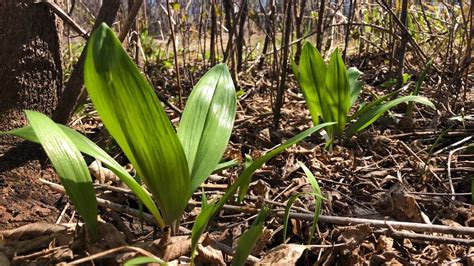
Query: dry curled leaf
{"type": "Point", "coordinates": [353, 234]}
{"type": "Point", "coordinates": [209, 255]}
{"type": "Point", "coordinates": [286, 254]}
{"type": "Point", "coordinates": [400, 205]}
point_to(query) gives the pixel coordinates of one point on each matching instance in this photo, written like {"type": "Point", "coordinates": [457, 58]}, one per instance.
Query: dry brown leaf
{"type": "Point", "coordinates": [400, 205]}
{"type": "Point", "coordinates": [286, 254]}
{"type": "Point", "coordinates": [31, 231]}
{"type": "Point", "coordinates": [175, 247]}
{"type": "Point", "coordinates": [263, 241]}
{"type": "Point", "coordinates": [384, 243]}
{"type": "Point", "coordinates": [259, 188]}
{"type": "Point", "coordinates": [209, 255]}
{"type": "Point", "coordinates": [353, 234]}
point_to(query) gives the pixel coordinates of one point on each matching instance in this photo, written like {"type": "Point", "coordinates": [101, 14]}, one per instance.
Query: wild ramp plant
{"type": "Point", "coordinates": [172, 164]}
{"type": "Point", "coordinates": [330, 90]}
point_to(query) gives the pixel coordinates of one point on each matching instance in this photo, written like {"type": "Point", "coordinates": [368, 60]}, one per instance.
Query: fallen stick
{"type": "Point", "coordinates": [417, 227]}
{"type": "Point", "coordinates": [344, 221]}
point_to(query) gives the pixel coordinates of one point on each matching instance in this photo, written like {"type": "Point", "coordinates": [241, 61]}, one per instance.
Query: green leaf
{"type": "Point", "coordinates": [133, 115]}
{"type": "Point", "coordinates": [318, 199]}
{"type": "Point", "coordinates": [417, 89]}
{"type": "Point", "coordinates": [70, 166]}
{"type": "Point", "coordinates": [207, 121]}
{"type": "Point", "coordinates": [369, 117]}
{"type": "Point", "coordinates": [312, 80]}
{"type": "Point", "coordinates": [249, 238]}
{"type": "Point", "coordinates": [144, 260]}
{"type": "Point", "coordinates": [200, 224]}
{"type": "Point", "coordinates": [338, 98]}
{"type": "Point", "coordinates": [366, 107]}
{"type": "Point", "coordinates": [243, 181]}
{"type": "Point", "coordinates": [355, 84]}
{"type": "Point", "coordinates": [88, 147]}
{"type": "Point", "coordinates": [225, 165]}
{"type": "Point", "coordinates": [246, 175]}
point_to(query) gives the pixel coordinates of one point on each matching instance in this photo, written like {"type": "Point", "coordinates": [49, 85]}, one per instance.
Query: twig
{"type": "Point", "coordinates": [453, 145]}
{"type": "Point", "coordinates": [175, 54]}
{"type": "Point", "coordinates": [130, 19]}
{"type": "Point", "coordinates": [436, 239]}
{"type": "Point", "coordinates": [429, 133]}
{"type": "Point", "coordinates": [417, 227]}
{"type": "Point", "coordinates": [70, 96]}
{"type": "Point", "coordinates": [451, 186]}
{"type": "Point", "coordinates": [65, 17]}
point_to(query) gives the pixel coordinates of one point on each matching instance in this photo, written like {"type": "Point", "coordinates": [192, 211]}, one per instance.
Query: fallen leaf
{"type": "Point", "coordinates": [209, 255]}
{"type": "Point", "coordinates": [285, 254]}
{"type": "Point", "coordinates": [353, 235]}
{"type": "Point", "coordinates": [400, 205]}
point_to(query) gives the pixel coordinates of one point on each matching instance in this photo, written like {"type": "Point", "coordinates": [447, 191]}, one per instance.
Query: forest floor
{"type": "Point", "coordinates": [418, 172]}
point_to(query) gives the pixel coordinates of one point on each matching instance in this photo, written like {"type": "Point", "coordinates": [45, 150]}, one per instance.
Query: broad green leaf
{"type": "Point", "coordinates": [369, 117]}
{"type": "Point", "coordinates": [88, 147]}
{"type": "Point", "coordinates": [249, 238]}
{"type": "Point", "coordinates": [133, 115]}
{"type": "Point", "coordinates": [338, 97]}
{"type": "Point", "coordinates": [246, 175]}
{"type": "Point", "coordinates": [311, 78]}
{"type": "Point", "coordinates": [207, 121]}
{"type": "Point", "coordinates": [70, 166]}
{"type": "Point", "coordinates": [355, 84]}
{"type": "Point", "coordinates": [144, 260]}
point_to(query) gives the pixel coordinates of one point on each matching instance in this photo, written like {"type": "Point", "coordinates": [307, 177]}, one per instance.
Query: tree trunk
{"type": "Point", "coordinates": [30, 69]}
{"type": "Point", "coordinates": [31, 75]}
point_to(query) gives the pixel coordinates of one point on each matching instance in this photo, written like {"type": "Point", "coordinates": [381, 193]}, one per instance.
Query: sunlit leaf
{"type": "Point", "coordinates": [88, 147]}
{"type": "Point", "coordinates": [246, 175]}
{"type": "Point", "coordinates": [133, 115]}
{"type": "Point", "coordinates": [312, 80]}
{"type": "Point", "coordinates": [338, 99]}
{"type": "Point", "coordinates": [369, 117]}
{"type": "Point", "coordinates": [355, 85]}
{"type": "Point", "coordinates": [207, 121]}
{"type": "Point", "coordinates": [249, 238]}
{"type": "Point", "coordinates": [70, 166]}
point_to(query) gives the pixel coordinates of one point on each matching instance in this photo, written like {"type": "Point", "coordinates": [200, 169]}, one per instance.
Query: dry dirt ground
{"type": "Point", "coordinates": [390, 172]}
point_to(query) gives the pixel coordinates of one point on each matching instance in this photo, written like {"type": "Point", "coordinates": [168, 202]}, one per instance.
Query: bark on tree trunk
{"type": "Point", "coordinates": [31, 76]}
{"type": "Point", "coordinates": [30, 63]}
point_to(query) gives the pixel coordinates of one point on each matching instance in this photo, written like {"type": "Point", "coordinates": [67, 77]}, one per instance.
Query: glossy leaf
{"type": "Point", "coordinates": [369, 117]}
{"type": "Point", "coordinates": [312, 80]}
{"type": "Point", "coordinates": [338, 97]}
{"type": "Point", "coordinates": [249, 238]}
{"type": "Point", "coordinates": [88, 147]}
{"type": "Point", "coordinates": [207, 122]}
{"type": "Point", "coordinates": [133, 115]}
{"type": "Point", "coordinates": [70, 166]}
{"type": "Point", "coordinates": [355, 85]}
